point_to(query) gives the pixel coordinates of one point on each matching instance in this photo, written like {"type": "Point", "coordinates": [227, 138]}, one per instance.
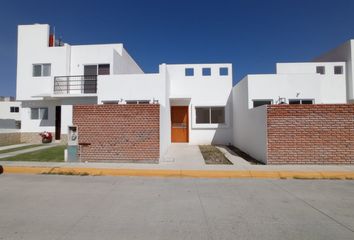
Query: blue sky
{"type": "Point", "coordinates": [251, 34]}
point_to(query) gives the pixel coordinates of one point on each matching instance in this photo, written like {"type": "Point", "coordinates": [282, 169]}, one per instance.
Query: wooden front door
{"type": "Point", "coordinates": [179, 124]}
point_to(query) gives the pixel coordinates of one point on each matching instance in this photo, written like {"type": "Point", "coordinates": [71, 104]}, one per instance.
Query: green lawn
{"type": "Point", "coordinates": [54, 154]}
{"type": "Point", "coordinates": [19, 148]}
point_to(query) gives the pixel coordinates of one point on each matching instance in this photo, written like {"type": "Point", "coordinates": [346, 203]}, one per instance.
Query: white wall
{"type": "Point", "coordinates": [323, 89]}
{"type": "Point", "coordinates": [344, 53]}
{"type": "Point", "coordinates": [214, 90]}
{"type": "Point", "coordinates": [32, 49]}
{"type": "Point", "coordinates": [249, 125]}
{"type": "Point", "coordinates": [7, 118]}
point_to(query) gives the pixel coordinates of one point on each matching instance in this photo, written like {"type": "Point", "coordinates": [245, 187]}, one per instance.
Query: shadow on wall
{"type": "Point", "coordinates": [9, 124]}
{"type": "Point", "coordinates": [223, 135]}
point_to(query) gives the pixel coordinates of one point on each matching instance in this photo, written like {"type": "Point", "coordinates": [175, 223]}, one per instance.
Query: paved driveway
{"type": "Point", "coordinates": [71, 207]}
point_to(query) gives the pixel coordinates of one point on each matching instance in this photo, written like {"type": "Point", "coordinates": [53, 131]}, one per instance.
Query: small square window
{"type": "Point", "coordinates": [189, 72]}
{"type": "Point", "coordinates": [206, 71]}
{"type": "Point", "coordinates": [224, 71]}
{"type": "Point", "coordinates": [338, 70]}
{"type": "Point", "coordinates": [14, 109]}
{"type": "Point", "coordinates": [320, 70]}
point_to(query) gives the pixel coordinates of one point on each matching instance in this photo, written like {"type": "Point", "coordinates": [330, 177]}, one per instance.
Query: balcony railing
{"type": "Point", "coordinates": [83, 84]}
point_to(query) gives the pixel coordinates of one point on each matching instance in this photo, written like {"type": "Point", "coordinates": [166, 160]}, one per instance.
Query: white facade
{"type": "Point", "coordinates": [124, 82]}
{"type": "Point", "coordinates": [9, 113]}
{"type": "Point", "coordinates": [293, 82]}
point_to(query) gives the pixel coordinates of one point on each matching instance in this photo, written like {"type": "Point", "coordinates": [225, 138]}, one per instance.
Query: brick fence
{"type": "Point", "coordinates": [310, 134]}
{"type": "Point", "coordinates": [118, 133]}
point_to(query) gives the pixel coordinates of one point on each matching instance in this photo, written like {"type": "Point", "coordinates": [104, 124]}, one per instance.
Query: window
{"type": "Point", "coordinates": [257, 103]}
{"type": "Point", "coordinates": [210, 115]}
{"type": "Point", "coordinates": [320, 70]}
{"type": "Point", "coordinates": [103, 69]}
{"type": "Point", "coordinates": [14, 109]}
{"type": "Point", "coordinates": [300, 101]}
{"type": "Point", "coordinates": [137, 102]}
{"type": "Point", "coordinates": [41, 70]}
{"type": "Point", "coordinates": [110, 102]}
{"type": "Point", "coordinates": [39, 113]}
{"type": "Point", "coordinates": [189, 72]}
{"type": "Point", "coordinates": [224, 71]}
{"type": "Point", "coordinates": [206, 71]}
{"type": "Point", "coordinates": [338, 70]}
{"type": "Point", "coordinates": [100, 69]}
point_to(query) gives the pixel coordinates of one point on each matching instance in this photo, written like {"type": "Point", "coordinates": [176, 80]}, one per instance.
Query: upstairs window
{"type": "Point", "coordinates": [137, 102]}
{"type": "Point", "coordinates": [338, 70]}
{"type": "Point", "coordinates": [39, 113]}
{"type": "Point", "coordinates": [206, 71]}
{"type": "Point", "coordinates": [14, 109]}
{"type": "Point", "coordinates": [257, 103]}
{"type": "Point", "coordinates": [210, 115]}
{"type": "Point", "coordinates": [320, 70]}
{"type": "Point", "coordinates": [41, 70]}
{"type": "Point", "coordinates": [300, 101]}
{"type": "Point", "coordinates": [223, 71]}
{"type": "Point", "coordinates": [103, 69]}
{"type": "Point", "coordinates": [189, 72]}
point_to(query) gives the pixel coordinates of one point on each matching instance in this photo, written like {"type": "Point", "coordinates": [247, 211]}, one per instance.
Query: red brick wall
{"type": "Point", "coordinates": [310, 134]}
{"type": "Point", "coordinates": [119, 133]}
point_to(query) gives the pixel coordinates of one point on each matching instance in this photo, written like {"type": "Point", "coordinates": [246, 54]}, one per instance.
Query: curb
{"type": "Point", "coordinates": [181, 173]}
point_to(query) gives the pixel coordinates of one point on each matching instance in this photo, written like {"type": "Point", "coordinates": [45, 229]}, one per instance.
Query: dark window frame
{"type": "Point", "coordinates": [210, 118]}
{"type": "Point", "coordinates": [189, 72]}
{"type": "Point", "coordinates": [224, 71]}
{"type": "Point", "coordinates": [265, 102]}
{"type": "Point", "coordinates": [321, 70]}
{"type": "Point", "coordinates": [336, 68]}
{"type": "Point", "coordinates": [206, 71]}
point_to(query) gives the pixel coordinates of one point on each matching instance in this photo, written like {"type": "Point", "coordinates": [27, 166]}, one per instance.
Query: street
{"type": "Point", "coordinates": [86, 207]}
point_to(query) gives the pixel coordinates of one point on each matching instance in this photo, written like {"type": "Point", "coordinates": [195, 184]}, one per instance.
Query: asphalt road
{"type": "Point", "coordinates": [73, 207]}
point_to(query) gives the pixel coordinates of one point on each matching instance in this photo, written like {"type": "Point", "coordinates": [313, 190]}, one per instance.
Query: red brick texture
{"type": "Point", "coordinates": [310, 134]}
{"type": "Point", "coordinates": [118, 133]}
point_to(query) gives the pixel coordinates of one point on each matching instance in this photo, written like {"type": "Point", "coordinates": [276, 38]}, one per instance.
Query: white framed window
{"type": "Point", "coordinates": [301, 101]}
{"type": "Point", "coordinates": [321, 70]}
{"type": "Point", "coordinates": [41, 70]}
{"type": "Point", "coordinates": [261, 102]}
{"type": "Point", "coordinates": [338, 70]}
{"type": "Point", "coordinates": [206, 71]}
{"type": "Point", "coordinates": [14, 109]}
{"type": "Point", "coordinates": [223, 71]}
{"type": "Point", "coordinates": [189, 72]}
{"type": "Point", "coordinates": [97, 69]}
{"type": "Point", "coordinates": [39, 113]}
{"type": "Point", "coordinates": [210, 115]}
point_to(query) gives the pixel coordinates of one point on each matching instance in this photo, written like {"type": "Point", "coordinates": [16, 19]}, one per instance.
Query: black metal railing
{"type": "Point", "coordinates": [75, 84]}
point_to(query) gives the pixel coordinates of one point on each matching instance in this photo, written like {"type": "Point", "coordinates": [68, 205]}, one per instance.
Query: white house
{"type": "Point", "coordinates": [52, 76]}
{"type": "Point", "coordinates": [293, 83]}
{"type": "Point", "coordinates": [9, 113]}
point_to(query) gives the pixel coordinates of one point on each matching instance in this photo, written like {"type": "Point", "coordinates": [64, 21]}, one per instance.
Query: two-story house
{"type": "Point", "coordinates": [52, 77]}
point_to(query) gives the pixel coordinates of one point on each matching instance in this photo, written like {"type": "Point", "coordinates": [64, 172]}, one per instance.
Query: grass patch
{"type": "Point", "coordinates": [213, 155]}
{"type": "Point", "coordinates": [19, 148]}
{"type": "Point", "coordinates": [53, 154]}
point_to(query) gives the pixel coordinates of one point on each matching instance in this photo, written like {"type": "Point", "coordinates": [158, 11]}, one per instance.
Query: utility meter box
{"type": "Point", "coordinates": [73, 144]}
{"type": "Point", "coordinates": [72, 136]}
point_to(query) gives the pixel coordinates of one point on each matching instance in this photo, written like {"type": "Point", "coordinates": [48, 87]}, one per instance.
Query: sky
{"type": "Point", "coordinates": [251, 34]}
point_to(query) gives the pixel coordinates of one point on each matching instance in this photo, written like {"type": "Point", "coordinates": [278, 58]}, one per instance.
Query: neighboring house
{"type": "Point", "coordinates": [195, 103]}
{"type": "Point", "coordinates": [10, 117]}
{"type": "Point", "coordinates": [290, 130]}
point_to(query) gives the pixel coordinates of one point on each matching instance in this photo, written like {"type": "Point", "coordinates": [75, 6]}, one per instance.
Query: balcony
{"type": "Point", "coordinates": [83, 84]}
